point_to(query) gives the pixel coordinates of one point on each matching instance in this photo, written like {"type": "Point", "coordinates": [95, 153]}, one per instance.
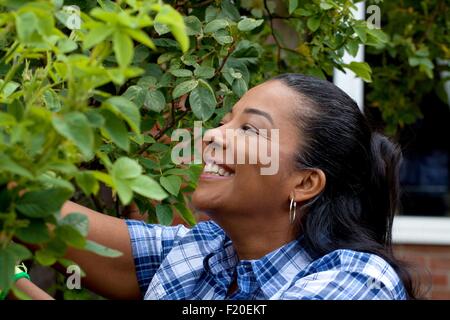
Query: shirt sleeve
{"type": "Point", "coordinates": [341, 285]}
{"type": "Point", "coordinates": [150, 244]}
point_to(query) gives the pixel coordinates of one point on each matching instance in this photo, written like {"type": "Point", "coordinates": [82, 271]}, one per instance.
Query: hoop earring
{"type": "Point", "coordinates": [292, 210]}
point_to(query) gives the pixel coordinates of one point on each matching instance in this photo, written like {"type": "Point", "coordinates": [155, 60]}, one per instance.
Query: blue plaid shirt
{"type": "Point", "coordinates": [175, 263]}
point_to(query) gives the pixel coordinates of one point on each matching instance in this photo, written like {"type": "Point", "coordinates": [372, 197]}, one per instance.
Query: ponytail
{"type": "Point", "coordinates": [383, 195]}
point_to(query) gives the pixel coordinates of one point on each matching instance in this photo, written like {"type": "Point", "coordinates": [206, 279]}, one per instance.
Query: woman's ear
{"type": "Point", "coordinates": [309, 183]}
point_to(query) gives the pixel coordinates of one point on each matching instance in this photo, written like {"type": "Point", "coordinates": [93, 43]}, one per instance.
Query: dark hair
{"type": "Point", "coordinates": [356, 208]}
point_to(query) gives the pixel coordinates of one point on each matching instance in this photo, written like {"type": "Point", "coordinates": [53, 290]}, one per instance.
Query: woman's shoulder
{"type": "Point", "coordinates": [348, 274]}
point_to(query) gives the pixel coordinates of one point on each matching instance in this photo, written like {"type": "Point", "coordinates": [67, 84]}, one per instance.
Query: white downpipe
{"type": "Point", "coordinates": [348, 81]}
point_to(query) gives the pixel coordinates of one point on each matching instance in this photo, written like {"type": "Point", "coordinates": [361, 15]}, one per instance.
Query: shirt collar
{"type": "Point", "coordinates": [279, 267]}
{"type": "Point", "coordinates": [271, 272]}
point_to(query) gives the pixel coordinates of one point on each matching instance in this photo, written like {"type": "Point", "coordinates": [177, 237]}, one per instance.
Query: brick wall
{"type": "Point", "coordinates": [432, 267]}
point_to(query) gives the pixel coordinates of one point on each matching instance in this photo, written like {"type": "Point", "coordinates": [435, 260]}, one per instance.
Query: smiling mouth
{"type": "Point", "coordinates": [213, 170]}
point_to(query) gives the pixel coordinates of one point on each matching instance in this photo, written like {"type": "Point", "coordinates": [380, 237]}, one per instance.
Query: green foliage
{"type": "Point", "coordinates": [90, 109]}
{"type": "Point", "coordinates": [413, 63]}
{"type": "Point", "coordinates": [65, 127]}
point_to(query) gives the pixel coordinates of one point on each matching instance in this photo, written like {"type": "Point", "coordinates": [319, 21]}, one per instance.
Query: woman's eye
{"type": "Point", "coordinates": [248, 128]}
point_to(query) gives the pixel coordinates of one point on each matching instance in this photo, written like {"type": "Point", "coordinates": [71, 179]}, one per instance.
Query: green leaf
{"type": "Point", "coordinates": [43, 203]}
{"type": "Point", "coordinates": [185, 213]}
{"type": "Point", "coordinates": [352, 47]}
{"type": "Point", "coordinates": [377, 36]}
{"type": "Point", "coordinates": [7, 266]}
{"type": "Point", "coordinates": [360, 31]}
{"type": "Point", "coordinates": [101, 250]}
{"type": "Point", "coordinates": [67, 45]}
{"type": "Point", "coordinates": [6, 119]}
{"type": "Point", "coordinates": [87, 182]}
{"type": "Point", "coordinates": [239, 87]}
{"type": "Point", "coordinates": [36, 232]}
{"type": "Point", "coordinates": [127, 110]}
{"type": "Point", "coordinates": [7, 164]}
{"type": "Point", "coordinates": [193, 25]}
{"type": "Point", "coordinates": [19, 251]}
{"type": "Point", "coordinates": [215, 25]}
{"type": "Point", "coordinates": [222, 37]}
{"type": "Point", "coordinates": [51, 100]}
{"type": "Point", "coordinates": [184, 87]}
{"type": "Point", "coordinates": [78, 221]}
{"type": "Point", "coordinates": [164, 214]}
{"type": "Point", "coordinates": [75, 127]}
{"type": "Point", "coordinates": [325, 5]}
{"type": "Point", "coordinates": [161, 29]}
{"type": "Point", "coordinates": [96, 35]}
{"type": "Point", "coordinates": [203, 101]}
{"type": "Point", "coordinates": [147, 187]}
{"type": "Point", "coordinates": [248, 24]}
{"type": "Point", "coordinates": [9, 88]}
{"type": "Point", "coordinates": [136, 94]}
{"type": "Point", "coordinates": [26, 25]}
{"type": "Point", "coordinates": [126, 168]}
{"type": "Point", "coordinates": [115, 129]}
{"type": "Point", "coordinates": [48, 180]}
{"type": "Point", "coordinates": [177, 171]}
{"type": "Point", "coordinates": [95, 118]}
{"type": "Point", "coordinates": [123, 48]}
{"type": "Point", "coordinates": [313, 23]}
{"type": "Point", "coordinates": [181, 73]}
{"type": "Point", "coordinates": [123, 190]}
{"type": "Point", "coordinates": [230, 10]}
{"type": "Point", "coordinates": [361, 69]}
{"type": "Point", "coordinates": [70, 236]}
{"type": "Point", "coordinates": [141, 37]}
{"type": "Point", "coordinates": [174, 20]}
{"type": "Point", "coordinates": [293, 4]}
{"type": "Point", "coordinates": [154, 100]}
{"type": "Point", "coordinates": [45, 257]}
{"type": "Point", "coordinates": [204, 72]}
{"type": "Point", "coordinates": [171, 184]}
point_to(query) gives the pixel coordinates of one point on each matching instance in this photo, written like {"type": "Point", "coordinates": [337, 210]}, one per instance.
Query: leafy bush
{"type": "Point", "coordinates": [414, 62]}
{"type": "Point", "coordinates": [86, 108]}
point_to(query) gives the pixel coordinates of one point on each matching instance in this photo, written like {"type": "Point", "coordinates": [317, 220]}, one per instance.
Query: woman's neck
{"type": "Point", "coordinates": [254, 238]}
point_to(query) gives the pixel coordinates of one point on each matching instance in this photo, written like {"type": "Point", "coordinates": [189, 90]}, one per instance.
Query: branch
{"type": "Point", "coordinates": [273, 34]}
{"type": "Point", "coordinates": [201, 4]}
{"type": "Point", "coordinates": [161, 133]}
{"type": "Point", "coordinates": [224, 61]}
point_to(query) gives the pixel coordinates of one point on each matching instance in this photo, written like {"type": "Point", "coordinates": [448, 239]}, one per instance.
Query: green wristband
{"type": "Point", "coordinates": [21, 275]}
{"type": "Point", "coordinates": [17, 276]}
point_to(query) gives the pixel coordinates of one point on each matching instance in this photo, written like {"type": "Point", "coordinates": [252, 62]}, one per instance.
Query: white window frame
{"type": "Point", "coordinates": [420, 230]}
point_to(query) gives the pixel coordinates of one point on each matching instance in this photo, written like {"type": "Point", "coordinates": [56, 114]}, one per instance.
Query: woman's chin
{"type": "Point", "coordinates": [202, 200]}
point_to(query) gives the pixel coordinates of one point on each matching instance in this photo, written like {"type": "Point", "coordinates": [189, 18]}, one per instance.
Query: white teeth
{"type": "Point", "coordinates": [215, 169]}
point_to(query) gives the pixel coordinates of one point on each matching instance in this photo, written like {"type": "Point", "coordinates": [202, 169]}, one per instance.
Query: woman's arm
{"type": "Point", "coordinates": [31, 290]}
{"type": "Point", "coordinates": [113, 278]}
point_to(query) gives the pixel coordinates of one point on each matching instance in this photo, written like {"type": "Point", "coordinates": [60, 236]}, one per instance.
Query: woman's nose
{"type": "Point", "coordinates": [214, 145]}
{"type": "Point", "coordinates": [214, 136]}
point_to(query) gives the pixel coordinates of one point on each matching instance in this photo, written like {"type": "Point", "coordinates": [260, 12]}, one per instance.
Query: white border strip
{"type": "Point", "coordinates": [421, 230]}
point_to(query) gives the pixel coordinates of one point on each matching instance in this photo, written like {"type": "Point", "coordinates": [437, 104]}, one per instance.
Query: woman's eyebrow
{"type": "Point", "coordinates": [259, 112]}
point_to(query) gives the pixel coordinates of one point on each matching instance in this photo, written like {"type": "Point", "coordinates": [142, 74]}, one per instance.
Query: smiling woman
{"type": "Point", "coordinates": [318, 228]}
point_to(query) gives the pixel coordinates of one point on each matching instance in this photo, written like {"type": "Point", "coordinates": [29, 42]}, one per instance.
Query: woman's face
{"type": "Point", "coordinates": [240, 188]}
